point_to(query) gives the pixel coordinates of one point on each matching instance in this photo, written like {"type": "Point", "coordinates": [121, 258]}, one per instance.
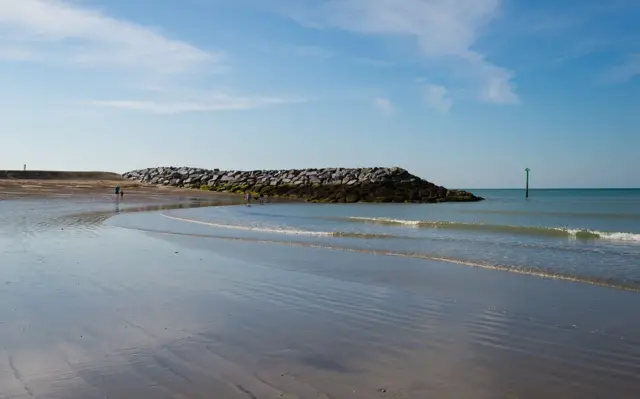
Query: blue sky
{"type": "Point", "coordinates": [465, 93]}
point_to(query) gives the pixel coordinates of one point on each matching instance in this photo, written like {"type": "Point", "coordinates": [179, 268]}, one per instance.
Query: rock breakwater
{"type": "Point", "coordinates": [313, 185]}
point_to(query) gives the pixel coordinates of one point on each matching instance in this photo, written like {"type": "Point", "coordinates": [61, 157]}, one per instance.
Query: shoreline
{"type": "Point", "coordinates": [135, 192]}
{"type": "Point", "coordinates": [15, 189]}
{"type": "Point", "coordinates": [540, 274]}
{"type": "Point", "coordinates": [141, 197]}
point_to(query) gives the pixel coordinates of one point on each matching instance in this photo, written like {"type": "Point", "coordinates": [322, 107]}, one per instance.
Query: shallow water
{"type": "Point", "coordinates": [585, 235]}
{"type": "Point", "coordinates": [150, 306]}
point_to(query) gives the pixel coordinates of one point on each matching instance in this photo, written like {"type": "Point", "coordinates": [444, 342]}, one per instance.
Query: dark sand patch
{"type": "Point", "coordinates": [101, 190]}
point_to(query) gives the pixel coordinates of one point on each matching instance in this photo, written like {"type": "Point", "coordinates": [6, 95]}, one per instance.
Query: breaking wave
{"type": "Point", "coordinates": [585, 234]}
{"type": "Point", "coordinates": [628, 284]}
{"type": "Point", "coordinates": [276, 230]}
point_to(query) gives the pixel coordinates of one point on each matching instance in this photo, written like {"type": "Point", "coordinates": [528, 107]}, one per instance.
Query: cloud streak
{"type": "Point", "coordinates": [445, 31]}
{"type": "Point", "coordinates": [59, 31]}
{"type": "Point", "coordinates": [204, 102]}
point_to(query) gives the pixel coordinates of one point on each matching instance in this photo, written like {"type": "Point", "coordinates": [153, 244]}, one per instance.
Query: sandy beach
{"type": "Point", "coordinates": [98, 300]}
{"type": "Point", "coordinates": [97, 189]}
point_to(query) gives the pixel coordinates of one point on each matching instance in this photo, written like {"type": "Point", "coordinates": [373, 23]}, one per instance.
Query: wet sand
{"type": "Point", "coordinates": [95, 309]}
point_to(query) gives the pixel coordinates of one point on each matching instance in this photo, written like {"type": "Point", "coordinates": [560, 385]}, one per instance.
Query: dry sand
{"type": "Point", "coordinates": [134, 191]}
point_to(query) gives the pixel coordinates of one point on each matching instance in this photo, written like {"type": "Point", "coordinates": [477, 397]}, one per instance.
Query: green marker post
{"type": "Point", "coordinates": [526, 193]}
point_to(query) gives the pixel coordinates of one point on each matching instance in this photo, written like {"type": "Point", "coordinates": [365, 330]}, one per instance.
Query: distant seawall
{"type": "Point", "coordinates": [336, 185]}
{"type": "Point", "coordinates": [56, 175]}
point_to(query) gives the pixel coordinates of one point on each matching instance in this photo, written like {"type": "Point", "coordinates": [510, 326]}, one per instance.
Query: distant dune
{"type": "Point", "coordinates": [56, 175]}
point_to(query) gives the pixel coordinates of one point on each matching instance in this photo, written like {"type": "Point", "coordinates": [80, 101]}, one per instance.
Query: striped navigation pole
{"type": "Point", "coordinates": [526, 192]}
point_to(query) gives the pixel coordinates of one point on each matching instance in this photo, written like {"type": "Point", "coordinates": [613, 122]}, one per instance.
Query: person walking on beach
{"type": "Point", "coordinates": [248, 200]}
{"type": "Point", "coordinates": [117, 189]}
{"type": "Point", "coordinates": [261, 199]}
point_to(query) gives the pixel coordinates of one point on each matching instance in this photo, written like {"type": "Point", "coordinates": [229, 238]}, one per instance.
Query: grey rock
{"type": "Point", "coordinates": [361, 184]}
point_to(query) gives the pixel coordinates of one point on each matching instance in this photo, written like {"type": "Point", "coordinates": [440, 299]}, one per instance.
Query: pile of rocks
{"type": "Point", "coordinates": [315, 185]}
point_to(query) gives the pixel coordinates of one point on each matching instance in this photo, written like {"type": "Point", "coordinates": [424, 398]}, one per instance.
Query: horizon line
{"type": "Point", "coordinates": [550, 188]}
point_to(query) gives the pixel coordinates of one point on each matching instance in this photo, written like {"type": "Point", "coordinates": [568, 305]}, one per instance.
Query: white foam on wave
{"type": "Point", "coordinates": [571, 232]}
{"type": "Point", "coordinates": [254, 228]}
{"type": "Point", "coordinates": [604, 235]}
{"type": "Point", "coordinates": [387, 220]}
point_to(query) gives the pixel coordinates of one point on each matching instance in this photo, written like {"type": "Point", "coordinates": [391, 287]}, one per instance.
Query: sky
{"type": "Point", "coordinates": [464, 93]}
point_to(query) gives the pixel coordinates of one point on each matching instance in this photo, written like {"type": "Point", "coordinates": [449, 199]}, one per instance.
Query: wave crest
{"type": "Point", "coordinates": [585, 234]}
{"type": "Point", "coordinates": [285, 231]}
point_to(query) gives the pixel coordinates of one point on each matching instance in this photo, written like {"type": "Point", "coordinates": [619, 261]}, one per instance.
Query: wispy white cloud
{"type": "Point", "coordinates": [64, 32]}
{"type": "Point", "coordinates": [437, 97]}
{"type": "Point", "coordinates": [218, 101]}
{"type": "Point", "coordinates": [446, 31]}
{"type": "Point", "coordinates": [384, 105]}
{"type": "Point", "coordinates": [626, 71]}
{"type": "Point", "coordinates": [497, 87]}
{"type": "Point", "coordinates": [61, 31]}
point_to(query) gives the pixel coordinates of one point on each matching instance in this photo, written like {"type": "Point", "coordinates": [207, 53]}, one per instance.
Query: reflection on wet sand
{"type": "Point", "coordinates": [93, 311]}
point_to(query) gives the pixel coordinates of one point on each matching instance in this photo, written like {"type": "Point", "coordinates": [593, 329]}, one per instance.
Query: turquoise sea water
{"type": "Point", "coordinates": [586, 235]}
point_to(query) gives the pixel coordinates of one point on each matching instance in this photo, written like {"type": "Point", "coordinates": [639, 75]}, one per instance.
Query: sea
{"type": "Point", "coordinates": [585, 235]}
